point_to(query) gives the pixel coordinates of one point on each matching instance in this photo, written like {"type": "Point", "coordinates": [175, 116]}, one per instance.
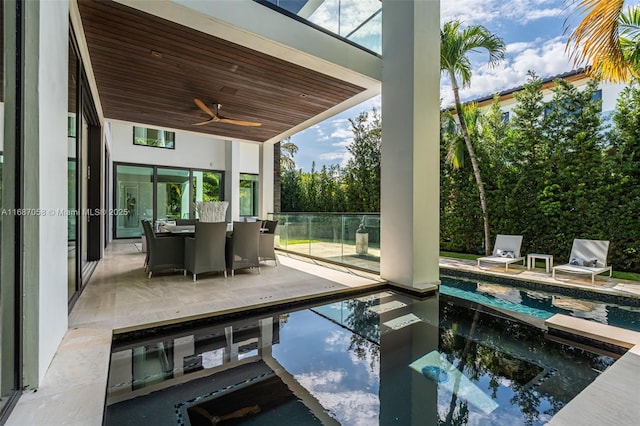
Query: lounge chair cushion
{"type": "Point", "coordinates": [505, 253]}
{"type": "Point", "coordinates": [506, 250]}
{"type": "Point", "coordinates": [577, 261]}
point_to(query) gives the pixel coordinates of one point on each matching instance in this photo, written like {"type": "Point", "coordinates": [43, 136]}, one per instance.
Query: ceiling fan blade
{"type": "Point", "coordinates": [204, 107]}
{"type": "Point", "coordinates": [240, 122]}
{"type": "Point", "coordinates": [213, 120]}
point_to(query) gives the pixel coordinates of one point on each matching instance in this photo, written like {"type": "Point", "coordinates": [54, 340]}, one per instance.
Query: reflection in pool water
{"type": "Point", "coordinates": [384, 359]}
{"type": "Point", "coordinates": [542, 304]}
{"type": "Point", "coordinates": [435, 373]}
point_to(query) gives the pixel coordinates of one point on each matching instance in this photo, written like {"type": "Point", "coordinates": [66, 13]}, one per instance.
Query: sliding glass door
{"type": "Point", "coordinates": [172, 194]}
{"type": "Point", "coordinates": [249, 194]}
{"type": "Point", "coordinates": [134, 199]}
{"type": "Point", "coordinates": [159, 193]}
{"type": "Point", "coordinates": [207, 186]}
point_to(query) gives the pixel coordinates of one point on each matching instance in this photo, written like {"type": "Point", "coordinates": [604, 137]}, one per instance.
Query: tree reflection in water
{"type": "Point", "coordinates": [366, 324]}
{"type": "Point", "coordinates": [529, 376]}
{"type": "Point", "coordinates": [504, 351]}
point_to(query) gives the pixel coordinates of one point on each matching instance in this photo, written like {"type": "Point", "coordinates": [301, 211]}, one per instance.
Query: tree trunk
{"type": "Point", "coordinates": [474, 164]}
{"type": "Point", "coordinates": [460, 367]}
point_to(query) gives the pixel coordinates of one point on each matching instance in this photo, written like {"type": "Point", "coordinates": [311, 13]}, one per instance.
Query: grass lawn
{"type": "Point", "coordinates": [459, 255]}
{"type": "Point", "coordinates": [292, 242]}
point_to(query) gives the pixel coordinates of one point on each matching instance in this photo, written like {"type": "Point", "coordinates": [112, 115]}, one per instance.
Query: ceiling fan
{"type": "Point", "coordinates": [215, 118]}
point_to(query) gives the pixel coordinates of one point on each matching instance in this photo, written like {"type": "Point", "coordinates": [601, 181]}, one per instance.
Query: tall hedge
{"type": "Point", "coordinates": [554, 171]}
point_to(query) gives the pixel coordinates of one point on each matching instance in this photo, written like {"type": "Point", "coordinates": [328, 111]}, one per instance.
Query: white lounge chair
{"type": "Point", "coordinates": [587, 257]}
{"type": "Point", "coordinates": [506, 250]}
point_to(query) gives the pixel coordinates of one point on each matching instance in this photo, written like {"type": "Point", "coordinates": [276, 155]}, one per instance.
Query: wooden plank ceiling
{"type": "Point", "coordinates": [148, 70]}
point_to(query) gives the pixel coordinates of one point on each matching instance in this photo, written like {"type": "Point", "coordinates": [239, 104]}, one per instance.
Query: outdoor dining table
{"type": "Point", "coordinates": [188, 230]}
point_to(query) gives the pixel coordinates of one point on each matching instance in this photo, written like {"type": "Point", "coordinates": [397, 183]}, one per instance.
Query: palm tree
{"type": "Point", "coordinates": [287, 150]}
{"type": "Point", "coordinates": [456, 44]}
{"type": "Point", "coordinates": [608, 38]}
{"type": "Point", "coordinates": [452, 136]}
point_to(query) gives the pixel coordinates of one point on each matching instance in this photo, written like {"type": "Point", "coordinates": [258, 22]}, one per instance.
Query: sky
{"type": "Point", "coordinates": [533, 34]}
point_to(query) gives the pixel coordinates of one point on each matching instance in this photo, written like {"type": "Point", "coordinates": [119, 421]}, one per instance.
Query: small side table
{"type": "Point", "coordinates": [531, 260]}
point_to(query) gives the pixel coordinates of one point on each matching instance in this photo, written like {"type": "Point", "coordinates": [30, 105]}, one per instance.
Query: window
{"type": "Point", "coordinates": [172, 194]}
{"type": "Point", "coordinates": [248, 195]}
{"type": "Point", "coordinates": [154, 137]}
{"type": "Point", "coordinates": [597, 97]}
{"type": "Point", "coordinates": [158, 193]}
{"type": "Point", "coordinates": [207, 186]}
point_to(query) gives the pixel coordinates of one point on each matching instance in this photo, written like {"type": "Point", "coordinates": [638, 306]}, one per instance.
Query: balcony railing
{"type": "Point", "coordinates": [352, 238]}
{"type": "Point", "coordinates": [358, 21]}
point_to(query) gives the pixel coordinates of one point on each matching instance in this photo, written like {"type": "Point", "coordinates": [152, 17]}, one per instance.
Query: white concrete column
{"type": "Point", "coordinates": [232, 179]}
{"type": "Point", "coordinates": [410, 147]}
{"type": "Point", "coordinates": [265, 182]}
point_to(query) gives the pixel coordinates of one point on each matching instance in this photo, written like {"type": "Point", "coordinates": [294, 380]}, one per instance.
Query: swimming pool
{"type": "Point", "coordinates": [542, 303]}
{"type": "Point", "coordinates": [384, 358]}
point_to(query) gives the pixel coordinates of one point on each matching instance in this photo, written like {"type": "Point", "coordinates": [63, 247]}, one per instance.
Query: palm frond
{"type": "Point", "coordinates": [457, 43]}
{"type": "Point", "coordinates": [597, 40]}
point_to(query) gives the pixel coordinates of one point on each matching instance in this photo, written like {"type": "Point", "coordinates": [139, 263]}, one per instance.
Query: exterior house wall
{"type": "Point", "coordinates": [191, 149]}
{"type": "Point", "coordinates": [249, 158]}
{"type": "Point", "coordinates": [610, 94]}
{"type": "Point", "coordinates": [52, 180]}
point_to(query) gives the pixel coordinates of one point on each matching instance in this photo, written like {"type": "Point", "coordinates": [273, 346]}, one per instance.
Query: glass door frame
{"type": "Point", "coordinates": [155, 168]}
{"type": "Point", "coordinates": [12, 278]}
{"type": "Point", "coordinates": [86, 113]}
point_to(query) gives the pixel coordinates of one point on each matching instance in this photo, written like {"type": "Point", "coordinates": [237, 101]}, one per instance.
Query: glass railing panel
{"type": "Point", "coordinates": [296, 229]}
{"type": "Point", "coordinates": [369, 33]}
{"type": "Point", "coordinates": [326, 236]}
{"type": "Point", "coordinates": [362, 241]}
{"type": "Point", "coordinates": [280, 239]}
{"type": "Point", "coordinates": [359, 21]}
{"type": "Point", "coordinates": [350, 239]}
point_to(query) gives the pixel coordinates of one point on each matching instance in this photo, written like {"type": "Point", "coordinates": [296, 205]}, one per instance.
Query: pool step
{"type": "Point", "coordinates": [594, 331]}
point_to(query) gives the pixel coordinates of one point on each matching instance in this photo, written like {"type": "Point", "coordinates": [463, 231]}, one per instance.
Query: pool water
{"type": "Point", "coordinates": [384, 358]}
{"type": "Point", "coordinates": [540, 303]}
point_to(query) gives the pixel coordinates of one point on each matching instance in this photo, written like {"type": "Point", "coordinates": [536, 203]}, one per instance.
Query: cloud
{"type": "Point", "coordinates": [342, 133]}
{"type": "Point", "coordinates": [338, 340]}
{"type": "Point", "coordinates": [546, 59]}
{"type": "Point", "coordinates": [354, 407]}
{"type": "Point", "coordinates": [348, 17]}
{"type": "Point", "coordinates": [519, 46]}
{"type": "Point", "coordinates": [485, 12]}
{"type": "Point", "coordinates": [330, 156]}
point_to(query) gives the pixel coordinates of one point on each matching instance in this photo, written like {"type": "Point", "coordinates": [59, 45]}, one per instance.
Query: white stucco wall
{"type": "Point", "coordinates": [52, 83]}
{"type": "Point", "coordinates": [610, 93]}
{"type": "Point", "coordinates": [191, 149]}
{"type": "Point", "coordinates": [249, 158]}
